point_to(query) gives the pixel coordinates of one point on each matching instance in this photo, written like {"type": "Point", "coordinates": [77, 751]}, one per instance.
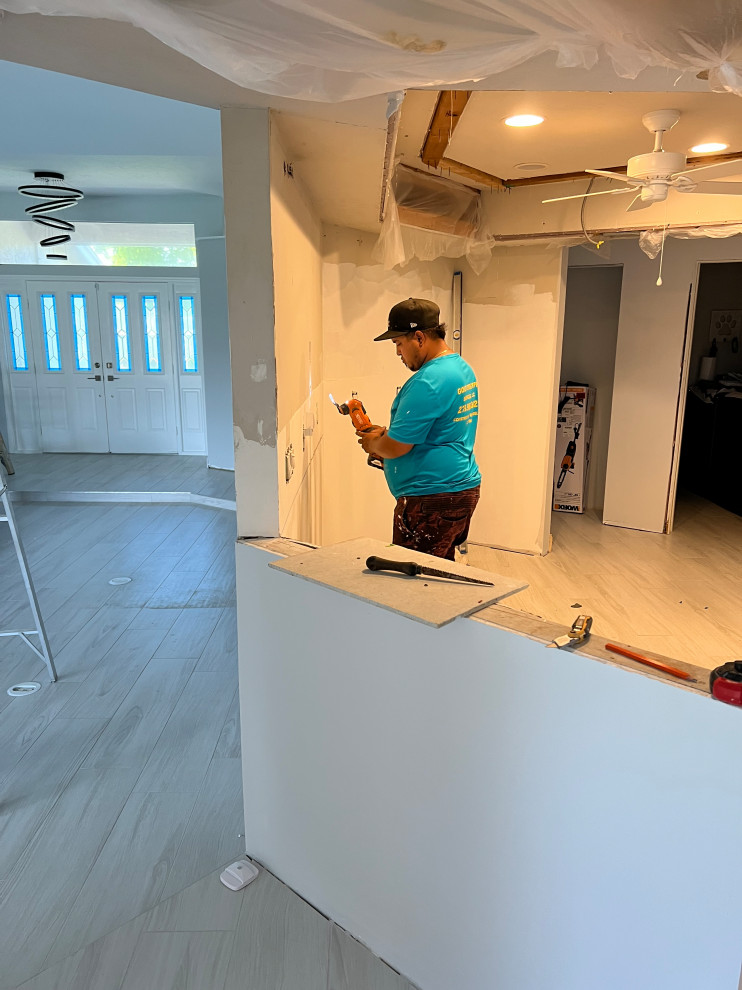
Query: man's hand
{"type": "Point", "coordinates": [369, 437]}
{"type": "Point", "coordinates": [374, 440]}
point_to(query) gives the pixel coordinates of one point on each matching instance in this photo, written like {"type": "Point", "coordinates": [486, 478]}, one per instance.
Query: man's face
{"type": "Point", "coordinates": [409, 350]}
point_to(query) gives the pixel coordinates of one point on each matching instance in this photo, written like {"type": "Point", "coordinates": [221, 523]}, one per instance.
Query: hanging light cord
{"type": "Point", "coordinates": [582, 216]}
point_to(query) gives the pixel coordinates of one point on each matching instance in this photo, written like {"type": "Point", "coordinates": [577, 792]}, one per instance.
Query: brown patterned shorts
{"type": "Point", "coordinates": [434, 524]}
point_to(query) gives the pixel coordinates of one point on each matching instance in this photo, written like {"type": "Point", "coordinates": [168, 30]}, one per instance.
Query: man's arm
{"type": "Point", "coordinates": [376, 441]}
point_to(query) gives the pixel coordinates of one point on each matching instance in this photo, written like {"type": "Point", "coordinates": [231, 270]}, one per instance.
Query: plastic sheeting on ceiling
{"type": "Point", "coordinates": [331, 50]}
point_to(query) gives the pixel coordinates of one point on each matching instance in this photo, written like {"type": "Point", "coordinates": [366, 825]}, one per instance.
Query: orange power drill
{"type": "Point", "coordinates": [359, 418]}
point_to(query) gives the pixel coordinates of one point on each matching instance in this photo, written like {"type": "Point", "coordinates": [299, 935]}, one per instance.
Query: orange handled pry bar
{"type": "Point", "coordinates": [640, 658]}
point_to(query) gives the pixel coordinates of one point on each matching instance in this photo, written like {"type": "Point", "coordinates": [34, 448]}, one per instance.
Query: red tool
{"type": "Point", "coordinates": [359, 418]}
{"type": "Point", "coordinates": [640, 658]}
{"type": "Point", "coordinates": [354, 409]}
{"type": "Point", "coordinates": [726, 682]}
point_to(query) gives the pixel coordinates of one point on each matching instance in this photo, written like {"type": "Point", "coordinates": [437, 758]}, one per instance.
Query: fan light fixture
{"type": "Point", "coordinates": [524, 120]}
{"type": "Point", "coordinates": [706, 149]}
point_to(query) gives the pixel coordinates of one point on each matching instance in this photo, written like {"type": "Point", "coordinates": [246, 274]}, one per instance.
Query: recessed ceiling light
{"type": "Point", "coordinates": [706, 149]}
{"type": "Point", "coordinates": [531, 166]}
{"type": "Point", "coordinates": [524, 120]}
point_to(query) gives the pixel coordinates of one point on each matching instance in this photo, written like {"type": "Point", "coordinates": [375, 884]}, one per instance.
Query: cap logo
{"type": "Point", "coordinates": [413, 324]}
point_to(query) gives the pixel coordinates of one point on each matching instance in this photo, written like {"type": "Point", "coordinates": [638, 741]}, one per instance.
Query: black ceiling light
{"type": "Point", "coordinates": [48, 187]}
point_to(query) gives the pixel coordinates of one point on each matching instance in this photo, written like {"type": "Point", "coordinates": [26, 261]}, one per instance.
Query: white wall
{"type": "Point", "coordinates": [589, 355]}
{"type": "Point", "coordinates": [512, 333]}
{"type": "Point", "coordinates": [357, 296]}
{"type": "Point", "coordinates": [247, 210]}
{"type": "Point", "coordinates": [646, 387]}
{"type": "Point", "coordinates": [480, 811]}
{"type": "Point", "coordinates": [297, 277]}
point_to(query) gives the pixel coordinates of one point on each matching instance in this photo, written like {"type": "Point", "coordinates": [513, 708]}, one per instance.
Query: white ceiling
{"type": "Point", "coordinates": [580, 130]}
{"type": "Point", "coordinates": [105, 139]}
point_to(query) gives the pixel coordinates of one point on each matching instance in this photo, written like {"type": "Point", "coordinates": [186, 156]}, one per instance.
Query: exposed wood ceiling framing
{"type": "Point", "coordinates": [448, 109]}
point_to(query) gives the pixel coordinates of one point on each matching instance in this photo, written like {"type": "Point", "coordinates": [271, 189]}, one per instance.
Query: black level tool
{"type": "Point", "coordinates": [411, 568]}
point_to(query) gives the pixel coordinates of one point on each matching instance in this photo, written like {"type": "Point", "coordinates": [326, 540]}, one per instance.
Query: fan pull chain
{"type": "Point", "coordinates": [662, 248]}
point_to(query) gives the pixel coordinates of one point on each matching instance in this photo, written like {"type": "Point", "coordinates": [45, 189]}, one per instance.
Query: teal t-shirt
{"type": "Point", "coordinates": [436, 410]}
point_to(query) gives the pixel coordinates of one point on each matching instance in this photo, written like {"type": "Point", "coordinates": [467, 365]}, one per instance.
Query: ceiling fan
{"type": "Point", "coordinates": [652, 175]}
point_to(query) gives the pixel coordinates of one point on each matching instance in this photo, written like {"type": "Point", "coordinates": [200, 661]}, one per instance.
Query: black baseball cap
{"type": "Point", "coordinates": [410, 315]}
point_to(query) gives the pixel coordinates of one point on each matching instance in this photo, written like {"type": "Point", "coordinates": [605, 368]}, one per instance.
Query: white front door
{"type": "Point", "coordinates": [137, 347]}
{"type": "Point", "coordinates": [67, 353]}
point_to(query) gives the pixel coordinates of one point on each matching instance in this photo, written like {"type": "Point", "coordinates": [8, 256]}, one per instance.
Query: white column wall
{"type": "Point", "coordinates": [212, 271]}
{"type": "Point", "coordinates": [299, 346]}
{"type": "Point", "coordinates": [246, 163]}
{"type": "Point", "coordinates": [512, 336]}
{"type": "Point", "coordinates": [479, 810]}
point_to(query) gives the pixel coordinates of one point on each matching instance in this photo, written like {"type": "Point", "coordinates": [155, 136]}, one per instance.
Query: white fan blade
{"type": "Point", "coordinates": [638, 204]}
{"type": "Point", "coordinates": [614, 175]}
{"type": "Point", "coordinates": [603, 192]}
{"type": "Point", "coordinates": [715, 188]}
{"type": "Point", "coordinates": [719, 170]}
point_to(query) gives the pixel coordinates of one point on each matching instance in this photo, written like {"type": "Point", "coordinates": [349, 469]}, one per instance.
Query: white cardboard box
{"type": "Point", "coordinates": [572, 451]}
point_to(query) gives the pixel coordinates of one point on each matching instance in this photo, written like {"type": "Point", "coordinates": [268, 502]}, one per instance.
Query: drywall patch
{"type": "Point", "coordinates": [259, 371]}
{"type": "Point", "coordinates": [256, 483]}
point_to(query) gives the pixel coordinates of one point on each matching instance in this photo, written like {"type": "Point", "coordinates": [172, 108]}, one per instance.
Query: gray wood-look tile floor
{"type": "Point", "coordinates": [119, 473]}
{"type": "Point", "coordinates": [120, 785]}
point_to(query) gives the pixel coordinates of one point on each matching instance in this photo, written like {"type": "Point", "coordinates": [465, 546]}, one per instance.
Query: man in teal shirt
{"type": "Point", "coordinates": [428, 448]}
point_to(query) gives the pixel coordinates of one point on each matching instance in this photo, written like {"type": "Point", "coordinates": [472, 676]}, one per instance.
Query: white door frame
{"type": "Point", "coordinates": [677, 440]}
{"type": "Point", "coordinates": [18, 283]}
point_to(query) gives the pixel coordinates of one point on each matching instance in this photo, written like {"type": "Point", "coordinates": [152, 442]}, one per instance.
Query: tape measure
{"type": "Point", "coordinates": [726, 683]}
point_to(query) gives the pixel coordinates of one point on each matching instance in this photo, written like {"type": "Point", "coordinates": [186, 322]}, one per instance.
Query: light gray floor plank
{"type": "Point", "coordinates": [354, 967]}
{"type": "Point", "coordinates": [181, 758]}
{"type": "Point", "coordinates": [218, 586]}
{"type": "Point", "coordinates": [229, 745]}
{"type": "Point", "coordinates": [280, 941]}
{"type": "Point", "coordinates": [27, 718]}
{"type": "Point", "coordinates": [101, 965]}
{"type": "Point", "coordinates": [132, 733]}
{"type": "Point", "coordinates": [215, 832]}
{"type": "Point", "coordinates": [177, 589]}
{"type": "Point", "coordinates": [37, 780]}
{"type": "Point", "coordinates": [49, 875]}
{"type": "Point", "coordinates": [101, 693]}
{"type": "Point", "coordinates": [128, 876]}
{"type": "Point", "coordinates": [155, 618]}
{"type": "Point", "coordinates": [205, 906]}
{"type": "Point", "coordinates": [189, 634]}
{"type": "Point", "coordinates": [220, 653]}
{"type": "Point", "coordinates": [145, 580]}
{"type": "Point", "coordinates": [179, 961]}
{"type": "Point", "coordinates": [88, 647]}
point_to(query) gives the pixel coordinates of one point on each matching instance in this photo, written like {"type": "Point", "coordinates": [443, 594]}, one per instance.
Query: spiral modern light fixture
{"type": "Point", "coordinates": [48, 187]}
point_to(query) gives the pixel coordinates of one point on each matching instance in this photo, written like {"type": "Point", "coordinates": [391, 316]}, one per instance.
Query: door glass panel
{"type": "Point", "coordinates": [188, 334]}
{"type": "Point", "coordinates": [121, 333]}
{"type": "Point", "coordinates": [80, 324]}
{"type": "Point", "coordinates": [51, 332]}
{"type": "Point", "coordinates": [18, 350]}
{"type": "Point", "coordinates": [151, 325]}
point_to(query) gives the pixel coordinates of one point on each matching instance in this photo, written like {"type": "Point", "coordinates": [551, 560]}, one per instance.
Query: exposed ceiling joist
{"type": "Point", "coordinates": [448, 109]}
{"type": "Point", "coordinates": [474, 174]}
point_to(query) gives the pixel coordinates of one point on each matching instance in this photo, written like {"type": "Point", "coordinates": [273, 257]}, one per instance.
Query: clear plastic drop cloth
{"type": "Point", "coordinates": [429, 217]}
{"type": "Point", "coordinates": [331, 50]}
{"type": "Point", "coordinates": [650, 241]}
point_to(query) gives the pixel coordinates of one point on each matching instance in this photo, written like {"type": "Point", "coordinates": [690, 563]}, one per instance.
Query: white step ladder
{"type": "Point", "coordinates": [42, 650]}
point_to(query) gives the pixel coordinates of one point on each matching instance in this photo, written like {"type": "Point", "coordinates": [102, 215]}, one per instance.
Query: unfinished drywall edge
{"type": "Point", "coordinates": [255, 478]}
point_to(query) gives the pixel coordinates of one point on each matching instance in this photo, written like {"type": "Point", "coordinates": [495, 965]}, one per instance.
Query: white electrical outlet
{"type": "Point", "coordinates": [725, 324]}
